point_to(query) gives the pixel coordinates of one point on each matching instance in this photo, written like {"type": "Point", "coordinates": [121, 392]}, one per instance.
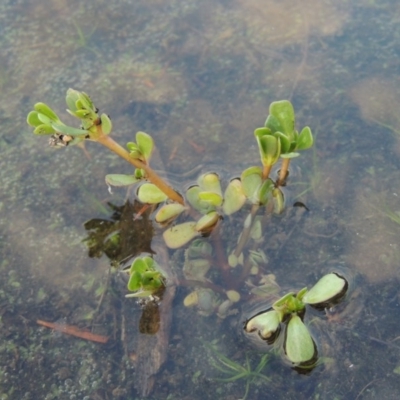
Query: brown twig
{"type": "Point", "coordinates": [74, 331]}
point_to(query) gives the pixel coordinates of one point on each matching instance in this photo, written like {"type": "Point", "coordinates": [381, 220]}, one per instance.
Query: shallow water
{"type": "Point", "coordinates": [198, 76]}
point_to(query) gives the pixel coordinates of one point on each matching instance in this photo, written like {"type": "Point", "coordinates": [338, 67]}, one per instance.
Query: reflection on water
{"type": "Point", "coordinates": [198, 75]}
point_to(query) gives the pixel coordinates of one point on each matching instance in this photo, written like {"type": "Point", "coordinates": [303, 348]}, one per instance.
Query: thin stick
{"type": "Point", "coordinates": [73, 331]}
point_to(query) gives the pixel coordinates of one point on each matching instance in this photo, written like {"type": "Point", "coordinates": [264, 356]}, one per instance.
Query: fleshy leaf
{"type": "Point", "coordinates": [68, 130]}
{"type": "Point", "coordinates": [212, 198]}
{"type": "Point", "coordinates": [106, 124]}
{"type": "Point", "coordinates": [328, 287]}
{"type": "Point", "coordinates": [120, 180]}
{"type": "Point", "coordinates": [193, 197]}
{"type": "Point", "coordinates": [140, 293]}
{"type": "Point", "coordinates": [71, 99]}
{"type": "Point", "coordinates": [273, 124]}
{"type": "Point", "coordinates": [33, 119]}
{"type": "Point", "coordinates": [266, 324]}
{"type": "Point", "coordinates": [283, 111]}
{"type": "Point", "coordinates": [265, 191]}
{"type": "Point", "coordinates": [151, 194]}
{"type": "Point", "coordinates": [139, 265]}
{"type": "Point", "coordinates": [279, 201]}
{"type": "Point", "coordinates": [290, 155]}
{"type": "Point", "coordinates": [180, 234]}
{"type": "Point", "coordinates": [44, 130]}
{"type": "Point", "coordinates": [134, 281]}
{"type": "Point", "coordinates": [270, 149]}
{"type": "Point", "coordinates": [44, 119]}
{"type": "Point", "coordinates": [299, 345]}
{"type": "Point", "coordinates": [285, 142]}
{"type": "Point", "coordinates": [44, 109]}
{"type": "Point", "coordinates": [208, 221]}
{"type": "Point", "coordinates": [305, 139]}
{"type": "Point", "coordinates": [234, 197]}
{"type": "Point", "coordinates": [251, 179]}
{"type": "Point", "coordinates": [145, 144]}
{"type": "Point", "coordinates": [210, 183]}
{"type": "Point", "coordinates": [169, 211]}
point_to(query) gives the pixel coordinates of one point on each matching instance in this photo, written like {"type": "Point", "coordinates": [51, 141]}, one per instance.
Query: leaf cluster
{"type": "Point", "coordinates": [299, 346]}
{"type": "Point", "coordinates": [145, 277]}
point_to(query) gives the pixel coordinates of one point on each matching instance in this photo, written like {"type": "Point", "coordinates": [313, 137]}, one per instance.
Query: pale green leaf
{"type": "Point", "coordinates": [178, 235]}
{"type": "Point", "coordinates": [120, 180]}
{"type": "Point", "coordinates": [151, 194]}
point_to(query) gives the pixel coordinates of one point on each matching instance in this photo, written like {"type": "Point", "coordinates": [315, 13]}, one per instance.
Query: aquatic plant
{"type": "Point", "coordinates": [194, 216]}
{"type": "Point", "coordinates": [97, 128]}
{"type": "Point", "coordinates": [298, 345]}
{"type": "Point", "coordinates": [234, 371]}
{"type": "Point", "coordinates": [145, 277]}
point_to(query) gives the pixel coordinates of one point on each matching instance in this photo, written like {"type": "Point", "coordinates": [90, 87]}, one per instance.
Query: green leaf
{"type": "Point", "coordinates": [260, 132]}
{"type": "Point", "coordinates": [193, 197]}
{"type": "Point", "coordinates": [68, 130]}
{"type": "Point", "coordinates": [106, 124]}
{"type": "Point", "coordinates": [120, 180]}
{"type": "Point", "coordinates": [86, 101]}
{"type": "Point", "coordinates": [305, 139]}
{"type": "Point", "coordinates": [44, 119]}
{"type": "Point", "coordinates": [178, 235]}
{"type": "Point", "coordinates": [210, 182]}
{"type": "Point", "coordinates": [328, 287]}
{"type": "Point", "coordinates": [279, 201]}
{"type": "Point", "coordinates": [140, 293]}
{"type": "Point", "coordinates": [214, 199]}
{"type": "Point", "coordinates": [33, 119]}
{"type": "Point", "coordinates": [206, 222]}
{"type": "Point", "coordinates": [82, 114]}
{"type": "Point", "coordinates": [283, 111]}
{"type": "Point", "coordinates": [151, 194]}
{"type": "Point", "coordinates": [138, 265]}
{"type": "Point", "coordinates": [290, 155]}
{"type": "Point", "coordinates": [299, 345]}
{"type": "Point", "coordinates": [234, 197]}
{"type": "Point", "coordinates": [145, 144]}
{"type": "Point", "coordinates": [71, 99]}
{"type": "Point", "coordinates": [273, 124]}
{"type": "Point", "coordinates": [266, 324]}
{"type": "Point", "coordinates": [265, 191]}
{"type": "Point", "coordinates": [281, 304]}
{"type": "Point", "coordinates": [134, 282]}
{"type": "Point", "coordinates": [251, 179]}
{"type": "Point", "coordinates": [44, 109]}
{"type": "Point", "coordinates": [169, 211]}
{"type": "Point", "coordinates": [140, 173]}
{"type": "Point", "coordinates": [132, 146]}
{"type": "Point", "coordinates": [270, 149]}
{"type": "Point", "coordinates": [285, 142]}
{"type": "Point", "coordinates": [44, 129]}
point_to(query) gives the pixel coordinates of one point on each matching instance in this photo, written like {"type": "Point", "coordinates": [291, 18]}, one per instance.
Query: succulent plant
{"type": "Point", "coordinates": [287, 313]}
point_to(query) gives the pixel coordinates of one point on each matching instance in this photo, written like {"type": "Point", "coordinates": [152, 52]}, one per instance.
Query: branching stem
{"type": "Point", "coordinates": [151, 175]}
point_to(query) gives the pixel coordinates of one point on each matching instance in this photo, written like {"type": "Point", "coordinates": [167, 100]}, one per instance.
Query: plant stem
{"type": "Point", "coordinates": [266, 171]}
{"type": "Point", "coordinates": [244, 237]}
{"type": "Point", "coordinates": [151, 175]}
{"type": "Point", "coordinates": [283, 172]}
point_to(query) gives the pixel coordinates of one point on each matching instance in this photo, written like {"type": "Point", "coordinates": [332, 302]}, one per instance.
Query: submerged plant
{"type": "Point", "coordinates": [197, 214]}
{"type": "Point", "coordinates": [145, 278]}
{"type": "Point", "coordinates": [287, 313]}
{"type": "Point", "coordinates": [234, 371]}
